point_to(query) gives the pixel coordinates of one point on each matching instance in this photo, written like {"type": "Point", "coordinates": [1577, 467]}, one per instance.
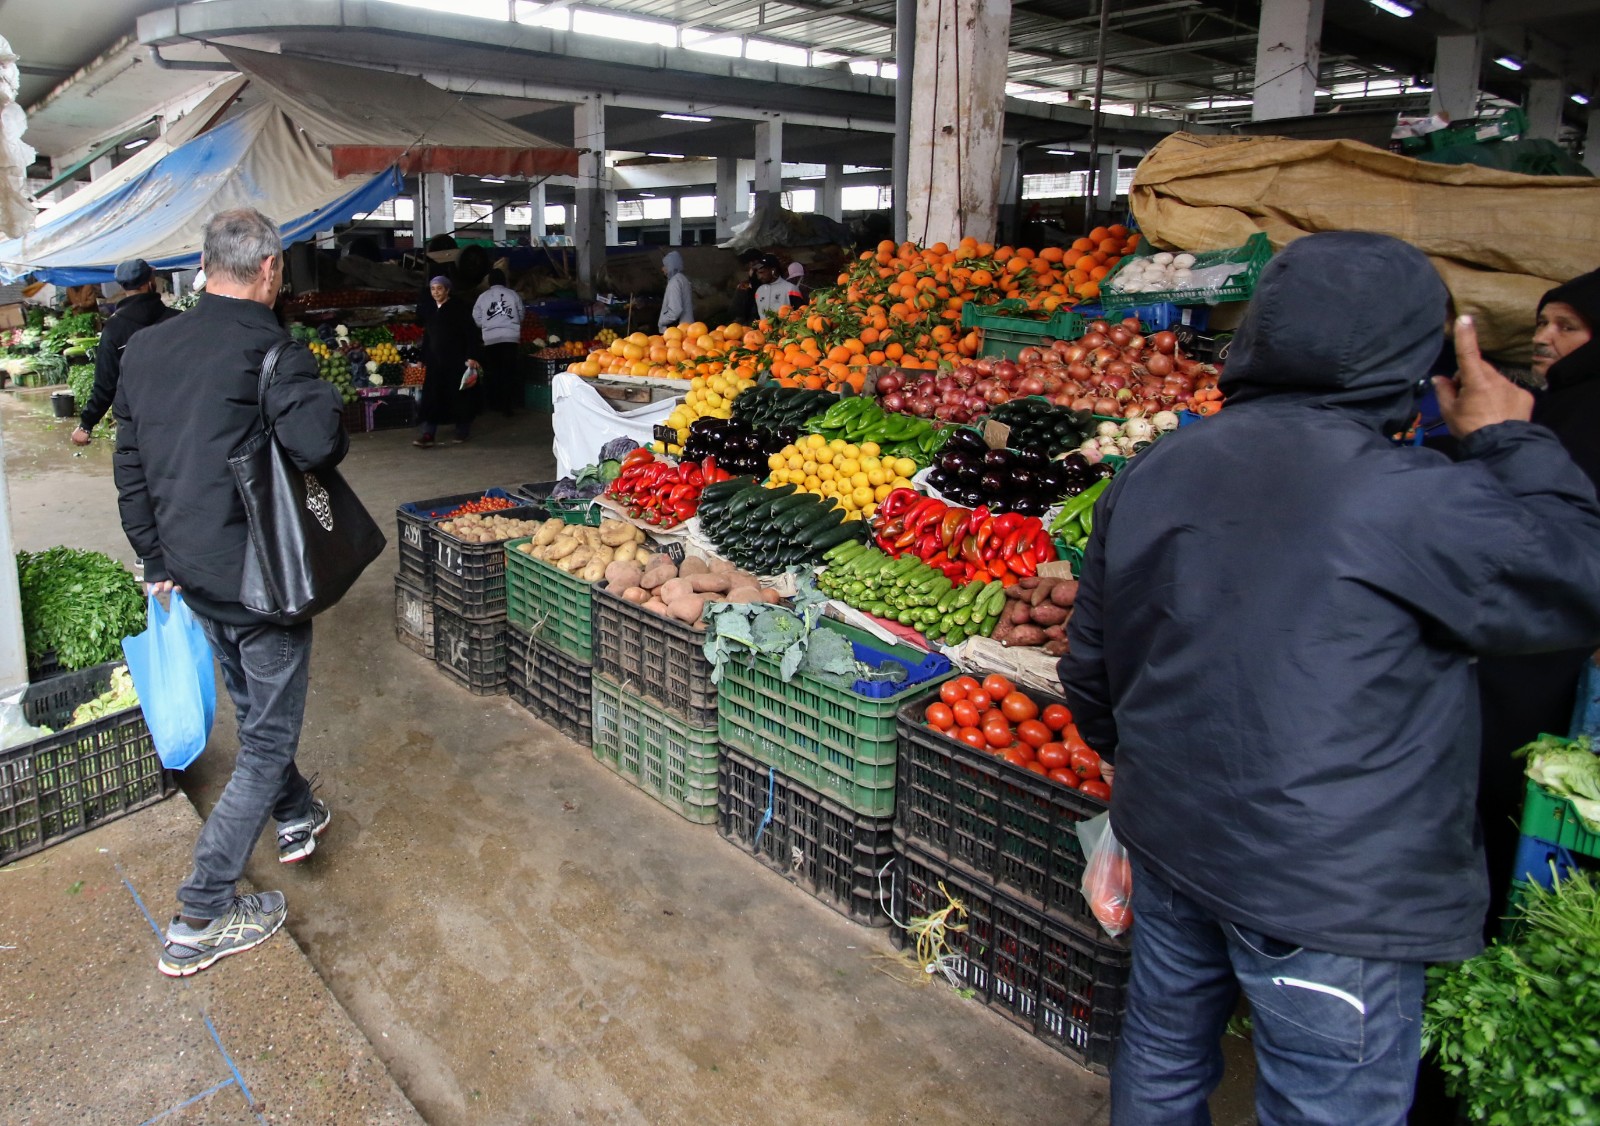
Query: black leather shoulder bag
{"type": "Point", "coordinates": [310, 535]}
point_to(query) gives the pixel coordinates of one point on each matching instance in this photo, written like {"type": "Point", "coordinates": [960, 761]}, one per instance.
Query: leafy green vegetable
{"type": "Point", "coordinates": [58, 336]}
{"type": "Point", "coordinates": [80, 381]}
{"type": "Point", "coordinates": [1515, 1028]}
{"type": "Point", "coordinates": [119, 696]}
{"type": "Point", "coordinates": [81, 604]}
{"type": "Point", "coordinates": [1569, 769]}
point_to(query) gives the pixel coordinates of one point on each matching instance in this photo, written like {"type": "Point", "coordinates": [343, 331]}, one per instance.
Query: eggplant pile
{"type": "Point", "coordinates": [1037, 424]}
{"type": "Point", "coordinates": [739, 447]}
{"type": "Point", "coordinates": [1025, 481]}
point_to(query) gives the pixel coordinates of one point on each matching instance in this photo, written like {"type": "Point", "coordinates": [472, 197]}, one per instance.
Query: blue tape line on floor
{"type": "Point", "coordinates": [211, 1028]}
{"type": "Point", "coordinates": [189, 1101]}
{"type": "Point", "coordinates": [142, 909]}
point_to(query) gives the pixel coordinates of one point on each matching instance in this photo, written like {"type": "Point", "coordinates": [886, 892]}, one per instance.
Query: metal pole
{"type": "Point", "coordinates": [905, 54]}
{"type": "Point", "coordinates": [1094, 125]}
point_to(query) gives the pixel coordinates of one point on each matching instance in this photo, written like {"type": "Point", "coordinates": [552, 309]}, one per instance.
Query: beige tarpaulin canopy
{"type": "Point", "coordinates": [1499, 239]}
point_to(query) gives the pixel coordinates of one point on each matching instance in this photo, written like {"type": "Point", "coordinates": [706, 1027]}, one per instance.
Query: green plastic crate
{"type": "Point", "coordinates": [1555, 819]}
{"type": "Point", "coordinates": [830, 738]}
{"type": "Point", "coordinates": [1255, 254]}
{"type": "Point", "coordinates": [548, 603]}
{"type": "Point", "coordinates": [1006, 334]}
{"type": "Point", "coordinates": [661, 754]}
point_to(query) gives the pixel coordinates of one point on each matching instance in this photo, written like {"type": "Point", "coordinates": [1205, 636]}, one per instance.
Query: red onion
{"type": "Point", "coordinates": [998, 395]}
{"type": "Point", "coordinates": [922, 408]}
{"type": "Point", "coordinates": [1063, 399]}
{"type": "Point", "coordinates": [1119, 370]}
{"type": "Point", "coordinates": [894, 402]}
{"type": "Point", "coordinates": [1007, 370]}
{"type": "Point", "coordinates": [890, 382]}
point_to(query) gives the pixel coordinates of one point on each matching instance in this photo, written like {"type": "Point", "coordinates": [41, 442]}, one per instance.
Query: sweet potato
{"type": "Point", "coordinates": [1020, 614]}
{"type": "Point", "coordinates": [638, 595]}
{"type": "Point", "coordinates": [740, 594]}
{"type": "Point", "coordinates": [687, 608]}
{"type": "Point", "coordinates": [1041, 593]}
{"type": "Point", "coordinates": [1013, 592]}
{"type": "Point", "coordinates": [1055, 633]}
{"type": "Point", "coordinates": [711, 584]}
{"type": "Point", "coordinates": [657, 574]}
{"type": "Point", "coordinates": [692, 565]}
{"type": "Point", "coordinates": [1025, 635]}
{"type": "Point", "coordinates": [1048, 614]}
{"type": "Point", "coordinates": [1058, 648]}
{"type": "Point", "coordinates": [722, 567]}
{"type": "Point", "coordinates": [1028, 583]}
{"type": "Point", "coordinates": [1065, 592]}
{"type": "Point", "coordinates": [656, 606]}
{"type": "Point", "coordinates": [621, 575]}
{"type": "Point", "coordinates": [770, 595]}
{"type": "Point", "coordinates": [674, 589]}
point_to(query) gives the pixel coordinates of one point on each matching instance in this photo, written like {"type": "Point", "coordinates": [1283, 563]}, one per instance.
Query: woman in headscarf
{"type": "Point", "coordinates": [677, 304]}
{"type": "Point", "coordinates": [451, 347]}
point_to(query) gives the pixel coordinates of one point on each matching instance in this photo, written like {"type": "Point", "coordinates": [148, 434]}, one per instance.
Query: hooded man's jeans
{"type": "Point", "coordinates": [1337, 1038]}
{"type": "Point", "coordinates": [266, 669]}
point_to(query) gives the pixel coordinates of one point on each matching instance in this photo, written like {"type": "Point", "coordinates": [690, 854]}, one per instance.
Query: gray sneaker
{"type": "Point", "coordinates": [298, 839]}
{"type": "Point", "coordinates": [248, 923]}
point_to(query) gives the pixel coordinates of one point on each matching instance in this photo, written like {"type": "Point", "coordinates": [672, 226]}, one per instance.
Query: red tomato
{"type": "Point", "coordinates": [1018, 707]}
{"type": "Point", "coordinates": [1066, 778]}
{"type": "Point", "coordinates": [998, 733]}
{"type": "Point", "coordinates": [1033, 733]}
{"type": "Point", "coordinates": [1037, 767]}
{"type": "Point", "coordinates": [1055, 756]}
{"type": "Point", "coordinates": [1024, 750]}
{"type": "Point", "coordinates": [1073, 740]}
{"type": "Point", "coordinates": [967, 685]}
{"type": "Point", "coordinates": [980, 700]}
{"type": "Point", "coordinates": [1056, 716]}
{"type": "Point", "coordinates": [940, 716]}
{"type": "Point", "coordinates": [966, 715]}
{"type": "Point", "coordinates": [1096, 789]}
{"type": "Point", "coordinates": [993, 715]}
{"type": "Point", "coordinates": [1016, 758]}
{"type": "Point", "coordinates": [950, 692]}
{"type": "Point", "coordinates": [1085, 763]}
{"type": "Point", "coordinates": [998, 686]}
{"type": "Point", "coordinates": [973, 738]}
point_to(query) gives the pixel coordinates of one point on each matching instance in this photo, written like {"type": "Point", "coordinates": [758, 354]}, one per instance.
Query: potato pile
{"type": "Point", "coordinates": [1036, 613]}
{"type": "Point", "coordinates": [682, 591]}
{"type": "Point", "coordinates": [583, 551]}
{"type": "Point", "coordinates": [487, 529]}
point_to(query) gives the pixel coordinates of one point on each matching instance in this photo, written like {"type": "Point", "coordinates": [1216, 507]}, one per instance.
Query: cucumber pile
{"type": "Point", "coordinates": [774, 406]}
{"type": "Point", "coordinates": [766, 530]}
{"type": "Point", "coordinates": [909, 591]}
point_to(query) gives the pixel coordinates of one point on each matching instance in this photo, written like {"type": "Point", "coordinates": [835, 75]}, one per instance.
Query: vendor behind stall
{"type": "Point", "coordinates": [451, 345]}
{"type": "Point", "coordinates": [677, 304]}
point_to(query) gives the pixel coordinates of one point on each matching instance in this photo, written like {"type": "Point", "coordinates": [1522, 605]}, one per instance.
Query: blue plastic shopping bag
{"type": "Point", "coordinates": [170, 663]}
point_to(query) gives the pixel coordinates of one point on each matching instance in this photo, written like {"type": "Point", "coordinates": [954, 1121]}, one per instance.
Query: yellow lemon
{"type": "Point", "coordinates": [812, 483]}
{"type": "Point", "coordinates": [848, 465]}
{"type": "Point", "coordinates": [837, 444]}
{"type": "Point", "coordinates": [795, 461]}
{"type": "Point", "coordinates": [875, 477]}
{"type": "Point", "coordinates": [870, 449]}
{"type": "Point", "coordinates": [862, 497]}
{"type": "Point", "coordinates": [816, 441]}
{"type": "Point", "coordinates": [882, 491]}
{"type": "Point", "coordinates": [905, 467]}
{"type": "Point", "coordinates": [810, 467]}
{"type": "Point", "coordinates": [826, 472]}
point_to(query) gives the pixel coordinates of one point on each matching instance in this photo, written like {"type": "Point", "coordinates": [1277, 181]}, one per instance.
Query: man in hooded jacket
{"type": "Point", "coordinates": [1273, 645]}
{"type": "Point", "coordinates": [677, 303]}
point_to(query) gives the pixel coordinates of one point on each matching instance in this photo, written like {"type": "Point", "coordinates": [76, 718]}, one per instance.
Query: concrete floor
{"type": "Point", "coordinates": [524, 937]}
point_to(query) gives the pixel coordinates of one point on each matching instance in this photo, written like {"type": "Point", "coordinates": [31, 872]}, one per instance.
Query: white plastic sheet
{"type": "Point", "coordinates": [584, 421]}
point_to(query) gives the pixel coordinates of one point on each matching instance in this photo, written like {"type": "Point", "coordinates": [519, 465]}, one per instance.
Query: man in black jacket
{"type": "Point", "coordinates": [187, 399]}
{"type": "Point", "coordinates": [1273, 640]}
{"type": "Point", "coordinates": [141, 308]}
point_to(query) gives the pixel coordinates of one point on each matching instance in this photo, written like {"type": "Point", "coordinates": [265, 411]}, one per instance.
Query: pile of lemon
{"type": "Point", "coordinates": [856, 476]}
{"type": "Point", "coordinates": [318, 349]}
{"type": "Point", "coordinates": [384, 354]}
{"type": "Point", "coordinates": [606, 336]}
{"type": "Point", "coordinates": [710, 396]}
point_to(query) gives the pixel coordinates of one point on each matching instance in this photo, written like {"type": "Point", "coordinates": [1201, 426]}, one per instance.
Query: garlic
{"type": "Point", "coordinates": [1139, 429]}
{"type": "Point", "coordinates": [1183, 261]}
{"type": "Point", "coordinates": [1162, 259]}
{"type": "Point", "coordinates": [1165, 420]}
{"type": "Point", "coordinates": [1108, 430]}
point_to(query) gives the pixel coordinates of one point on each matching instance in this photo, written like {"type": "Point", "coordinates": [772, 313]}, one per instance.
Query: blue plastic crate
{"type": "Point", "coordinates": [435, 510]}
{"type": "Point", "coordinates": [932, 665]}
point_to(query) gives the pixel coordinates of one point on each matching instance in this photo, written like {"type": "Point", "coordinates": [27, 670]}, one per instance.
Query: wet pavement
{"type": "Point", "coordinates": [524, 937]}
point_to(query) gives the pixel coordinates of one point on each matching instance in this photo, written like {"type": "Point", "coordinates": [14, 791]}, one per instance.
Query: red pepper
{"type": "Point", "coordinates": [1044, 548]}
{"type": "Point", "coordinates": [979, 515]}
{"type": "Point", "coordinates": [683, 509]}
{"type": "Point", "coordinates": [929, 508]}
{"type": "Point", "coordinates": [640, 456]}
{"type": "Point", "coordinates": [955, 521]}
{"type": "Point", "coordinates": [1024, 564]}
{"type": "Point", "coordinates": [1008, 579]}
{"type": "Point", "coordinates": [898, 503]}
{"type": "Point", "coordinates": [970, 552]}
{"type": "Point", "coordinates": [684, 492]}
{"type": "Point", "coordinates": [1005, 524]}
{"type": "Point", "coordinates": [1030, 527]}
{"type": "Point", "coordinates": [903, 541]}
{"type": "Point", "coordinates": [1012, 541]}
{"type": "Point", "coordinates": [928, 544]}
{"type": "Point", "coordinates": [985, 531]}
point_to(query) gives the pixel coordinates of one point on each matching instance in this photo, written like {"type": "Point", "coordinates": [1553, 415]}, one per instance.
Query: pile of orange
{"type": "Point", "coordinates": [898, 305]}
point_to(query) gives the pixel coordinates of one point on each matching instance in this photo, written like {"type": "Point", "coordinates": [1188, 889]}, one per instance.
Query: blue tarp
{"type": "Point", "coordinates": [257, 159]}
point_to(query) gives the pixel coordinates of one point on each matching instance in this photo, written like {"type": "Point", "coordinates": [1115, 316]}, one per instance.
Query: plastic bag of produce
{"type": "Point", "coordinates": [1107, 877]}
{"type": "Point", "coordinates": [171, 667]}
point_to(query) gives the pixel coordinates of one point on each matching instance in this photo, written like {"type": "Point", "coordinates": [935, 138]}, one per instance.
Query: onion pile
{"type": "Point", "coordinates": [1113, 370]}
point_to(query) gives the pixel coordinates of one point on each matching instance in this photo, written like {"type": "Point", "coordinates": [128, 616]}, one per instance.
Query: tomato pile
{"type": "Point", "coordinates": [993, 716]}
{"type": "Point", "coordinates": [482, 504]}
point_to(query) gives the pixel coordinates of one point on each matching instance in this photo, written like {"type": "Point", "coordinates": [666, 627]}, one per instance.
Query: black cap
{"type": "Point", "coordinates": [771, 262]}
{"type": "Point", "coordinates": [133, 273]}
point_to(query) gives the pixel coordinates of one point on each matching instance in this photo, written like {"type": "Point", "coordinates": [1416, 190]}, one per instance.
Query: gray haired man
{"type": "Point", "coordinates": [186, 400]}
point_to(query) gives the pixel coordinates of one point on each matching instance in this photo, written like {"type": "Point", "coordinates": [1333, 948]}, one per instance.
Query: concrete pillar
{"type": "Point", "coordinates": [13, 654]}
{"type": "Point", "coordinates": [497, 223]}
{"type": "Point", "coordinates": [730, 193]}
{"type": "Point", "coordinates": [769, 161]}
{"type": "Point", "coordinates": [591, 233]}
{"type": "Point", "coordinates": [1010, 191]}
{"type": "Point", "coordinates": [419, 232]}
{"type": "Point", "coordinates": [905, 62]}
{"type": "Point", "coordinates": [957, 112]}
{"type": "Point", "coordinates": [612, 238]}
{"type": "Point", "coordinates": [1288, 50]}
{"type": "Point", "coordinates": [99, 167]}
{"type": "Point", "coordinates": [829, 201]}
{"type": "Point", "coordinates": [1105, 182]}
{"type": "Point", "coordinates": [1544, 108]}
{"type": "Point", "coordinates": [569, 219]}
{"type": "Point", "coordinates": [438, 204]}
{"type": "Point", "coordinates": [675, 223]}
{"type": "Point", "coordinates": [1457, 60]}
{"type": "Point", "coordinates": [1591, 144]}
{"type": "Point", "coordinates": [536, 212]}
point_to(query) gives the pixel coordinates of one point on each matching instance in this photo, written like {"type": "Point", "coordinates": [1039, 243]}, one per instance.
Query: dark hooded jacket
{"type": "Point", "coordinates": [1274, 634]}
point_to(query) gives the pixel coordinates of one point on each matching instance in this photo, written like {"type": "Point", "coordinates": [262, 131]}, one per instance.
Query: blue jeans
{"type": "Point", "coordinates": [266, 669]}
{"type": "Point", "coordinates": [1337, 1038]}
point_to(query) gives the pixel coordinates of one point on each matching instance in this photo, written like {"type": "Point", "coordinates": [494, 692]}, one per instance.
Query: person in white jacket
{"type": "Point", "coordinates": [498, 315]}
{"type": "Point", "coordinates": [677, 304]}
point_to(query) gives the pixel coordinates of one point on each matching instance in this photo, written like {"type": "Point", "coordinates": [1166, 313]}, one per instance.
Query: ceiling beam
{"type": "Point", "coordinates": [1498, 12]}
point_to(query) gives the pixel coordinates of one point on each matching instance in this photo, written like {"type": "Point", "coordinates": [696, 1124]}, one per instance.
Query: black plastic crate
{"type": "Point", "coordinates": [414, 538]}
{"type": "Point", "coordinates": [555, 687]}
{"type": "Point", "coordinates": [1064, 986]}
{"type": "Point", "coordinates": [471, 653]}
{"type": "Point", "coordinates": [817, 844]}
{"type": "Point", "coordinates": [413, 618]}
{"type": "Point", "coordinates": [1007, 825]}
{"type": "Point", "coordinates": [59, 786]}
{"type": "Point", "coordinates": [470, 578]}
{"type": "Point", "coordinates": [653, 654]}
{"type": "Point", "coordinates": [43, 665]}
{"type": "Point", "coordinates": [391, 412]}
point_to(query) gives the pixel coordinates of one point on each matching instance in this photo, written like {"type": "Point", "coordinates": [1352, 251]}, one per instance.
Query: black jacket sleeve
{"type": "Point", "coordinates": [133, 496]}
{"type": "Point", "coordinates": [306, 412]}
{"type": "Point", "coordinates": [1083, 670]}
{"type": "Point", "coordinates": [107, 365]}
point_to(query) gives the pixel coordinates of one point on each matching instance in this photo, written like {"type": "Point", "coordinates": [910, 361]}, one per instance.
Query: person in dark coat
{"type": "Point", "coordinates": [743, 311]}
{"type": "Point", "coordinates": [1273, 644]}
{"type": "Point", "coordinates": [451, 344]}
{"type": "Point", "coordinates": [141, 308]}
{"type": "Point", "coordinates": [1526, 696]}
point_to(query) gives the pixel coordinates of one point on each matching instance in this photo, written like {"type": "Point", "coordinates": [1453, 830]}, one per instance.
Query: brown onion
{"type": "Point", "coordinates": [1103, 356]}
{"type": "Point", "coordinates": [1029, 355]}
{"type": "Point", "coordinates": [1164, 342]}
{"type": "Point", "coordinates": [1159, 364]}
{"type": "Point", "coordinates": [1119, 335]}
{"type": "Point", "coordinates": [1105, 406]}
{"type": "Point", "coordinates": [1094, 340]}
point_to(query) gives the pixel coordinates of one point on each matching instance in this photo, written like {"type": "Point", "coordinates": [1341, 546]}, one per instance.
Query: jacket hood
{"type": "Point", "coordinates": [672, 262]}
{"type": "Point", "coordinates": [1583, 294]}
{"type": "Point", "coordinates": [1346, 320]}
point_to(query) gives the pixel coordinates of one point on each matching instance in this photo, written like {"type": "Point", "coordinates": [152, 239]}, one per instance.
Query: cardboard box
{"type": "Point", "coordinates": [11, 316]}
